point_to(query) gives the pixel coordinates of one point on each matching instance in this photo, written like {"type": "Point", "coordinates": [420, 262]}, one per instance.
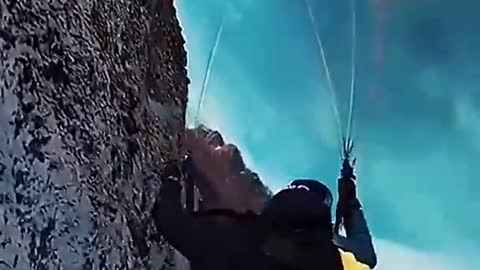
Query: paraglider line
{"type": "Point", "coordinates": [206, 76]}
{"type": "Point", "coordinates": [348, 141]}
{"type": "Point", "coordinates": [327, 72]}
{"type": "Point", "coordinates": [352, 82]}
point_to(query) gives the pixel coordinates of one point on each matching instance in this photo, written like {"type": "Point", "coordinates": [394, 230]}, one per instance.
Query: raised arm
{"type": "Point", "coordinates": [358, 239]}
{"type": "Point", "coordinates": [349, 209]}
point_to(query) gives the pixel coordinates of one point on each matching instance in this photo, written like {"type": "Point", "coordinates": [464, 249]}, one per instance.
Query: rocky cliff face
{"type": "Point", "coordinates": [92, 101]}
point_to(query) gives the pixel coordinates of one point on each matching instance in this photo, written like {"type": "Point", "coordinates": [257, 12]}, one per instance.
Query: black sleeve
{"type": "Point", "coordinates": [179, 228]}
{"type": "Point", "coordinates": [358, 240]}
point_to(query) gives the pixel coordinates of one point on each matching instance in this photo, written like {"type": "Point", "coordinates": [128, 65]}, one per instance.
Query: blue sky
{"type": "Point", "coordinates": [417, 114]}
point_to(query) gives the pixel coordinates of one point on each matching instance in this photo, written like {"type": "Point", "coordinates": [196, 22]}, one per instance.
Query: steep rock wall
{"type": "Point", "coordinates": [92, 101]}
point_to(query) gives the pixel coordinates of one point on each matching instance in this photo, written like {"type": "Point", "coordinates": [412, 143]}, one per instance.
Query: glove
{"type": "Point", "coordinates": [172, 170]}
{"type": "Point", "coordinates": [171, 189]}
{"type": "Point", "coordinates": [347, 190]}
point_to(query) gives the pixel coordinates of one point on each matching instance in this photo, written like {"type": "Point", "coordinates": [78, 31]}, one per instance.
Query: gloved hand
{"type": "Point", "coordinates": [172, 169]}
{"type": "Point", "coordinates": [347, 190]}
{"type": "Point", "coordinates": [171, 189]}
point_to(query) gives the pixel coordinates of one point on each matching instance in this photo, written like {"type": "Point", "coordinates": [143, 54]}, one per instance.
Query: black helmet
{"type": "Point", "coordinates": [303, 204]}
{"type": "Point", "coordinates": [320, 189]}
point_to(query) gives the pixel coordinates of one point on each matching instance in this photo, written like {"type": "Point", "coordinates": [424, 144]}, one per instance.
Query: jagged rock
{"type": "Point", "coordinates": [92, 102]}
{"type": "Point", "coordinates": [228, 182]}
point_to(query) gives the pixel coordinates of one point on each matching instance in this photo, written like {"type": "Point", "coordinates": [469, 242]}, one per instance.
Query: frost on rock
{"type": "Point", "coordinates": [81, 145]}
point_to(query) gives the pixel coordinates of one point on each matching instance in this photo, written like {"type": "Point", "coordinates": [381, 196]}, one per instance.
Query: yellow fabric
{"type": "Point", "coordinates": [350, 262]}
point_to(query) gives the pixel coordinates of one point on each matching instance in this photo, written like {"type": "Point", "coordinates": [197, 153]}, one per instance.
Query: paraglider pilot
{"type": "Point", "coordinates": [294, 231]}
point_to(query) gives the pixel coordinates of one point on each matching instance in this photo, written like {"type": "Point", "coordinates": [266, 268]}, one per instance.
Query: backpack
{"type": "Point", "coordinates": [287, 249]}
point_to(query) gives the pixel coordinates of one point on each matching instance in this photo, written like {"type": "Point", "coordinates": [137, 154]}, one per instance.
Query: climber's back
{"type": "Point", "coordinates": [263, 246]}
{"type": "Point", "coordinates": [294, 231]}
{"type": "Point", "coordinates": [215, 240]}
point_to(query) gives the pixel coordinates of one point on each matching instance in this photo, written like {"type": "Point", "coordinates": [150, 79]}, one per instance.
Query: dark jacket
{"type": "Point", "coordinates": [358, 240]}
{"type": "Point", "coordinates": [210, 245]}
